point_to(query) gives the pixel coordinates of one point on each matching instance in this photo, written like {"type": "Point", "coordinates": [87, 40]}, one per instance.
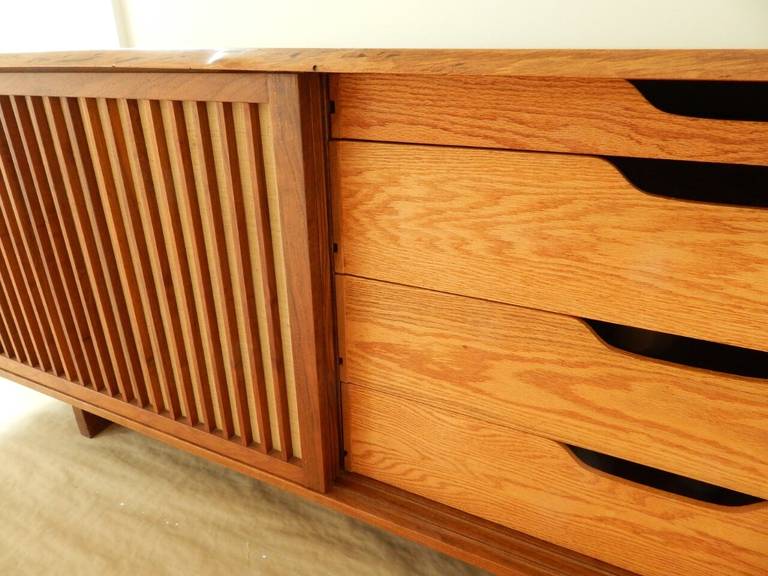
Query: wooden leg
{"type": "Point", "coordinates": [89, 424]}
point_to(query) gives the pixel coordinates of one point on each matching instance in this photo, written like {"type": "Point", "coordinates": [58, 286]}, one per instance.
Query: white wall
{"type": "Point", "coordinates": [34, 25]}
{"type": "Point", "coordinates": [446, 23]}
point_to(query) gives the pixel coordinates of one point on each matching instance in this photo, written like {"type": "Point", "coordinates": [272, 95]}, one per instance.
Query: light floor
{"type": "Point", "coordinates": [122, 503]}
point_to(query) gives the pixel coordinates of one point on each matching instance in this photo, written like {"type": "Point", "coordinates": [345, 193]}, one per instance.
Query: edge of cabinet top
{"type": "Point", "coordinates": [631, 64]}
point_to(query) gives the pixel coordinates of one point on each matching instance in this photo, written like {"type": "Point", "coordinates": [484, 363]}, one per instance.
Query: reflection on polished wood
{"type": "Point", "coordinates": [651, 64]}
{"type": "Point", "coordinates": [202, 246]}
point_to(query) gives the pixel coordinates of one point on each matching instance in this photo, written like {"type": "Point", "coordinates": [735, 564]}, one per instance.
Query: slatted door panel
{"type": "Point", "coordinates": [143, 255]}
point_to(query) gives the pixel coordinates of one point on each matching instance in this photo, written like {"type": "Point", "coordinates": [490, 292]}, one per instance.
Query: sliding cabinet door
{"type": "Point", "coordinates": [164, 258]}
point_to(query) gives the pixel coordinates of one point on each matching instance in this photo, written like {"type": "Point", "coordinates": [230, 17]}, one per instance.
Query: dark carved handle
{"type": "Point", "coordinates": [662, 480]}
{"type": "Point", "coordinates": [733, 184]}
{"type": "Point", "coordinates": [683, 350]}
{"type": "Point", "coordinates": [716, 100]}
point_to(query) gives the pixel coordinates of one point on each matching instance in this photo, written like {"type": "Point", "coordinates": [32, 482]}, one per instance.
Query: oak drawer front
{"type": "Point", "coordinates": [563, 233]}
{"type": "Point", "coordinates": [553, 375]}
{"type": "Point", "coordinates": [536, 486]}
{"type": "Point", "coordinates": [592, 116]}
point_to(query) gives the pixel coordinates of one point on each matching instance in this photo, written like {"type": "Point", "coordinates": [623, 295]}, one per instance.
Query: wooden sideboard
{"type": "Point", "coordinates": [509, 304]}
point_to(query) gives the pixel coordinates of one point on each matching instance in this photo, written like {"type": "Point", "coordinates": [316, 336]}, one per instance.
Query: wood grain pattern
{"type": "Point", "coordinates": [139, 253]}
{"type": "Point", "coordinates": [555, 232]}
{"type": "Point", "coordinates": [533, 484]}
{"type": "Point", "coordinates": [486, 544]}
{"type": "Point", "coordinates": [496, 548]}
{"type": "Point", "coordinates": [166, 263]}
{"type": "Point", "coordinates": [647, 64]}
{"type": "Point", "coordinates": [582, 115]}
{"type": "Point", "coordinates": [550, 375]}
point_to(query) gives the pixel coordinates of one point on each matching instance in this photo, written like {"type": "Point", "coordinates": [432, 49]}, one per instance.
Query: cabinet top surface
{"type": "Point", "coordinates": [631, 64]}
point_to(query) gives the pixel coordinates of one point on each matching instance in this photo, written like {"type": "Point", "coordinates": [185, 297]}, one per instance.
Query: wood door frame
{"type": "Point", "coordinates": [297, 115]}
{"type": "Point", "coordinates": [294, 106]}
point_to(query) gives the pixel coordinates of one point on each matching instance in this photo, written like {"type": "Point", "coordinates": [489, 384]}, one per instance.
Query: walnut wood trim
{"type": "Point", "coordinates": [140, 85]}
{"type": "Point", "coordinates": [295, 115]}
{"type": "Point", "coordinates": [637, 64]}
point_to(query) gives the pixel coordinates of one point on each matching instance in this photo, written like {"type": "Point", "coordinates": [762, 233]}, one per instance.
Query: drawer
{"type": "Point", "coordinates": [539, 487]}
{"type": "Point", "coordinates": [564, 233]}
{"type": "Point", "coordinates": [553, 375]}
{"type": "Point", "coordinates": [706, 121]}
